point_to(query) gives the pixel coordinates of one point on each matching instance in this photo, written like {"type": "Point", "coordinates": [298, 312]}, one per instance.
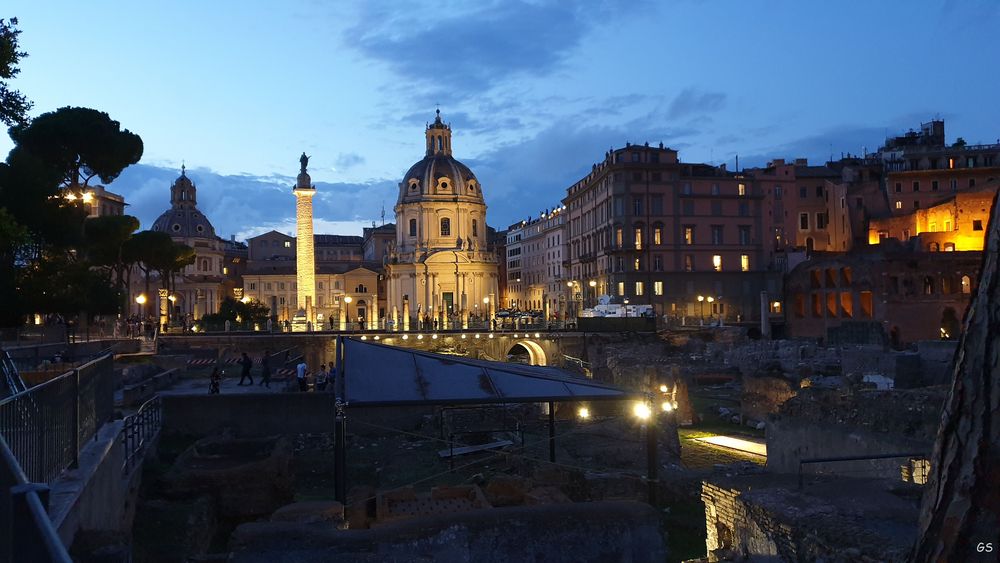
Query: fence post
{"type": "Point", "coordinates": [76, 419]}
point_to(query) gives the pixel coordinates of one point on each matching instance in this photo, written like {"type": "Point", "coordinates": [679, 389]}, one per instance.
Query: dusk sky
{"type": "Point", "coordinates": [535, 91]}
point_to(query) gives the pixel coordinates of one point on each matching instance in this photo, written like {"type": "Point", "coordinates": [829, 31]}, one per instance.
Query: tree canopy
{"type": "Point", "coordinates": [14, 105]}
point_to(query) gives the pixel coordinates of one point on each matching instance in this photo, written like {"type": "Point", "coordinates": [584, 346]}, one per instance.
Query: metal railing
{"type": "Point", "coordinates": [26, 532]}
{"type": "Point", "coordinates": [138, 430]}
{"type": "Point", "coordinates": [46, 425]}
{"type": "Point", "coordinates": [839, 459]}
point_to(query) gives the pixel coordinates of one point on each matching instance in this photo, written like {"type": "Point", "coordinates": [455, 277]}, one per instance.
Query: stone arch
{"type": "Point", "coordinates": [536, 354]}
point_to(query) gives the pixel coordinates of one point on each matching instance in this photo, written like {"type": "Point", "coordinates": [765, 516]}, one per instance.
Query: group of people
{"type": "Point", "coordinates": [322, 379]}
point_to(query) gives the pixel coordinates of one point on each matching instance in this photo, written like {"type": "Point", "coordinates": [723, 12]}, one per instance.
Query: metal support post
{"type": "Point", "coordinates": [552, 432]}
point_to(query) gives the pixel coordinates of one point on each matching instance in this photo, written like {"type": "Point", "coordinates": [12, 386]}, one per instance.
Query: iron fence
{"type": "Point", "coordinates": [138, 430]}
{"type": "Point", "coordinates": [26, 532]}
{"type": "Point", "coordinates": [46, 425]}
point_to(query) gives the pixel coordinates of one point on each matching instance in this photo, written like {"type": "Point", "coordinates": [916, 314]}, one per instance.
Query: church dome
{"type": "Point", "coordinates": [183, 220]}
{"type": "Point", "coordinates": [439, 174]}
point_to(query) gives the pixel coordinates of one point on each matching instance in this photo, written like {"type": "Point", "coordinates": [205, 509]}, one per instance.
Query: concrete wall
{"type": "Point", "coordinates": [567, 532]}
{"type": "Point", "coordinates": [280, 413]}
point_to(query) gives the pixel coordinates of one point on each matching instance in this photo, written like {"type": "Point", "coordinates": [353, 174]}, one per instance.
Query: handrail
{"type": "Point", "coordinates": [920, 455]}
{"type": "Point", "coordinates": [138, 429]}
{"type": "Point", "coordinates": [26, 532]}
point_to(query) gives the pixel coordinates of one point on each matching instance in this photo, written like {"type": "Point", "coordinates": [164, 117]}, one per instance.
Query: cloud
{"type": "Point", "coordinates": [692, 102]}
{"type": "Point", "coordinates": [240, 204]}
{"type": "Point", "coordinates": [456, 52]}
{"type": "Point", "coordinates": [819, 147]}
{"type": "Point", "coordinates": [347, 160]}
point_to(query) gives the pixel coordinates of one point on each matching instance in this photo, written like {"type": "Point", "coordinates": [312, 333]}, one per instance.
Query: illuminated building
{"type": "Point", "coordinates": [441, 263]}
{"type": "Point", "coordinates": [646, 227]}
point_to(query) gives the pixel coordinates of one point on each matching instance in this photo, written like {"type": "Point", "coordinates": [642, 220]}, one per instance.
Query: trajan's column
{"type": "Point", "coordinates": [305, 264]}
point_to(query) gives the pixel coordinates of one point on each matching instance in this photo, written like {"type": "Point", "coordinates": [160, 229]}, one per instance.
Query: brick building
{"type": "Point", "coordinates": [646, 227]}
{"type": "Point", "coordinates": [914, 294]}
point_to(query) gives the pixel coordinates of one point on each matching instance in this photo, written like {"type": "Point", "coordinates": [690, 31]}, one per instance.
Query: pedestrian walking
{"type": "Point", "coordinates": [321, 378]}
{"type": "Point", "coordinates": [247, 364]}
{"type": "Point", "coordinates": [300, 376]}
{"type": "Point", "coordinates": [265, 369]}
{"type": "Point", "coordinates": [214, 382]}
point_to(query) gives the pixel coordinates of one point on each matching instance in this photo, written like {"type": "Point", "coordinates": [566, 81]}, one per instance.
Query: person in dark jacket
{"type": "Point", "coordinates": [265, 369]}
{"type": "Point", "coordinates": [247, 364]}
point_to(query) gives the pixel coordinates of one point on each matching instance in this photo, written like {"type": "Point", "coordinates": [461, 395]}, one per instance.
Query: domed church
{"type": "Point", "coordinates": [440, 267]}
{"type": "Point", "coordinates": [199, 287]}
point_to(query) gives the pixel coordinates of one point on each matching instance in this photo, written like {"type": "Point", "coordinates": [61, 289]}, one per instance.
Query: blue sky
{"type": "Point", "coordinates": [535, 91]}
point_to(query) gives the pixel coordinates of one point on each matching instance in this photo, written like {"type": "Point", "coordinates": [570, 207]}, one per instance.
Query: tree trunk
{"type": "Point", "coordinates": [961, 507]}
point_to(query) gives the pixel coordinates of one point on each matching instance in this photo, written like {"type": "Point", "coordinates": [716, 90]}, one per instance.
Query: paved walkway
{"type": "Point", "coordinates": [745, 445]}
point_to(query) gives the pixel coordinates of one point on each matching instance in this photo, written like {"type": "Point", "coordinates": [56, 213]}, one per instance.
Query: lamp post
{"type": "Point", "coordinates": [593, 291]}
{"type": "Point", "coordinates": [626, 307]}
{"type": "Point", "coordinates": [701, 306]}
{"type": "Point", "coordinates": [486, 312]}
{"type": "Point", "coordinates": [347, 307]}
{"type": "Point", "coordinates": [710, 300]}
{"type": "Point", "coordinates": [141, 301]}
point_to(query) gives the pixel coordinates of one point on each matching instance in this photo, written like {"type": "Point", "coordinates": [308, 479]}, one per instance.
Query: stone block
{"type": "Point", "coordinates": [311, 512]}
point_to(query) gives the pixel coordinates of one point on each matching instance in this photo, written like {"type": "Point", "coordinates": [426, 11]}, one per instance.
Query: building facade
{"type": "Point", "coordinates": [441, 264]}
{"type": "Point", "coordinates": [645, 227]}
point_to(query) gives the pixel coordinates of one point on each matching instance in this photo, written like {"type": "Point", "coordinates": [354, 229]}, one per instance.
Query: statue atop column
{"type": "Point", "coordinates": [304, 161]}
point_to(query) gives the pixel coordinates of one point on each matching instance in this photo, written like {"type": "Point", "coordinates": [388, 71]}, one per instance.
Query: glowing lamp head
{"type": "Point", "coordinates": [593, 283]}
{"type": "Point", "coordinates": [667, 406]}
{"type": "Point", "coordinates": [641, 411]}
{"type": "Point", "coordinates": [583, 413]}
{"type": "Point", "coordinates": [348, 299]}
{"type": "Point", "coordinates": [663, 388]}
{"type": "Point", "coordinates": [141, 299]}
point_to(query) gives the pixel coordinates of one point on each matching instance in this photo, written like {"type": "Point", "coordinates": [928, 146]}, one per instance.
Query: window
{"type": "Point", "coordinates": [954, 184]}
{"type": "Point", "coordinates": [744, 234]}
{"type": "Point", "coordinates": [688, 234]}
{"type": "Point", "coordinates": [716, 208]}
{"type": "Point", "coordinates": [744, 209]}
{"type": "Point", "coordinates": [621, 288]}
{"type": "Point", "coordinates": [618, 236]}
{"type": "Point", "coordinates": [716, 234]}
{"type": "Point", "coordinates": [966, 285]}
{"type": "Point", "coordinates": [686, 188]}
{"type": "Point", "coordinates": [916, 186]}
{"type": "Point", "coordinates": [637, 264]}
{"type": "Point", "coordinates": [225, 271]}
{"type": "Point", "coordinates": [475, 228]}
{"type": "Point", "coordinates": [288, 244]}
{"type": "Point", "coordinates": [253, 286]}
{"type": "Point", "coordinates": [635, 157]}
{"type": "Point", "coordinates": [741, 189]}
{"type": "Point", "coordinates": [688, 263]}
{"type": "Point", "coordinates": [281, 286]}
{"type": "Point", "coordinates": [638, 238]}
{"type": "Point", "coordinates": [977, 224]}
{"type": "Point", "coordinates": [657, 288]}
{"type": "Point", "coordinates": [657, 235]}
{"type": "Point", "coordinates": [656, 204]}
{"type": "Point", "coordinates": [777, 192]}
{"type": "Point", "coordinates": [899, 187]}
{"type": "Point", "coordinates": [899, 205]}
{"type": "Point", "coordinates": [819, 191]}
{"type": "Point", "coordinates": [639, 288]}
{"type": "Point", "coordinates": [687, 207]}
{"type": "Point", "coordinates": [821, 220]}
{"type": "Point", "coordinates": [268, 286]}
{"type": "Point", "coordinates": [934, 185]}
{"type": "Point", "coordinates": [445, 227]}
{"type": "Point", "coordinates": [803, 221]}
{"type": "Point", "coordinates": [802, 192]}
{"type": "Point", "coordinates": [657, 263]}
{"type": "Point", "coordinates": [715, 189]}
{"type": "Point", "coordinates": [744, 262]}
{"type": "Point", "coordinates": [637, 206]}
{"type": "Point", "coordinates": [972, 182]}
{"type": "Point", "coordinates": [717, 263]}
{"type": "Point", "coordinates": [413, 227]}
{"type": "Point", "coordinates": [916, 204]}
{"type": "Point", "coordinates": [619, 206]}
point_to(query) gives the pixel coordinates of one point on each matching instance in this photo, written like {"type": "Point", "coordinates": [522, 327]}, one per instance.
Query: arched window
{"type": "Point", "coordinates": [445, 227]}
{"type": "Point", "coordinates": [475, 228]}
{"type": "Point", "coordinates": [928, 285]}
{"type": "Point", "coordinates": [949, 247]}
{"type": "Point", "coordinates": [361, 289]}
{"type": "Point", "coordinates": [966, 285]}
{"type": "Point", "coordinates": [413, 227]}
{"type": "Point", "coordinates": [933, 247]}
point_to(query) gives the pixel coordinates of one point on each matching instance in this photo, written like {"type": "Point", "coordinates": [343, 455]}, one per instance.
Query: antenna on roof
{"type": "Point", "coordinates": [383, 212]}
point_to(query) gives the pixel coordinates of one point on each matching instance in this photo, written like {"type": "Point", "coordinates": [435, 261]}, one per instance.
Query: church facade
{"type": "Point", "coordinates": [439, 268]}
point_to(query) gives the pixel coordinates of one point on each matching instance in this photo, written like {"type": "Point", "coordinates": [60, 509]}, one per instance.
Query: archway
{"type": "Point", "coordinates": [527, 352]}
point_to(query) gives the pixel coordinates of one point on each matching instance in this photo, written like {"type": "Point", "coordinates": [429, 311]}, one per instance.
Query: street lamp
{"type": "Point", "coordinates": [710, 300]}
{"type": "Point", "coordinates": [701, 306]}
{"type": "Point", "coordinates": [593, 292]}
{"type": "Point", "coordinates": [626, 308]}
{"type": "Point", "coordinates": [141, 300]}
{"type": "Point", "coordinates": [347, 307]}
